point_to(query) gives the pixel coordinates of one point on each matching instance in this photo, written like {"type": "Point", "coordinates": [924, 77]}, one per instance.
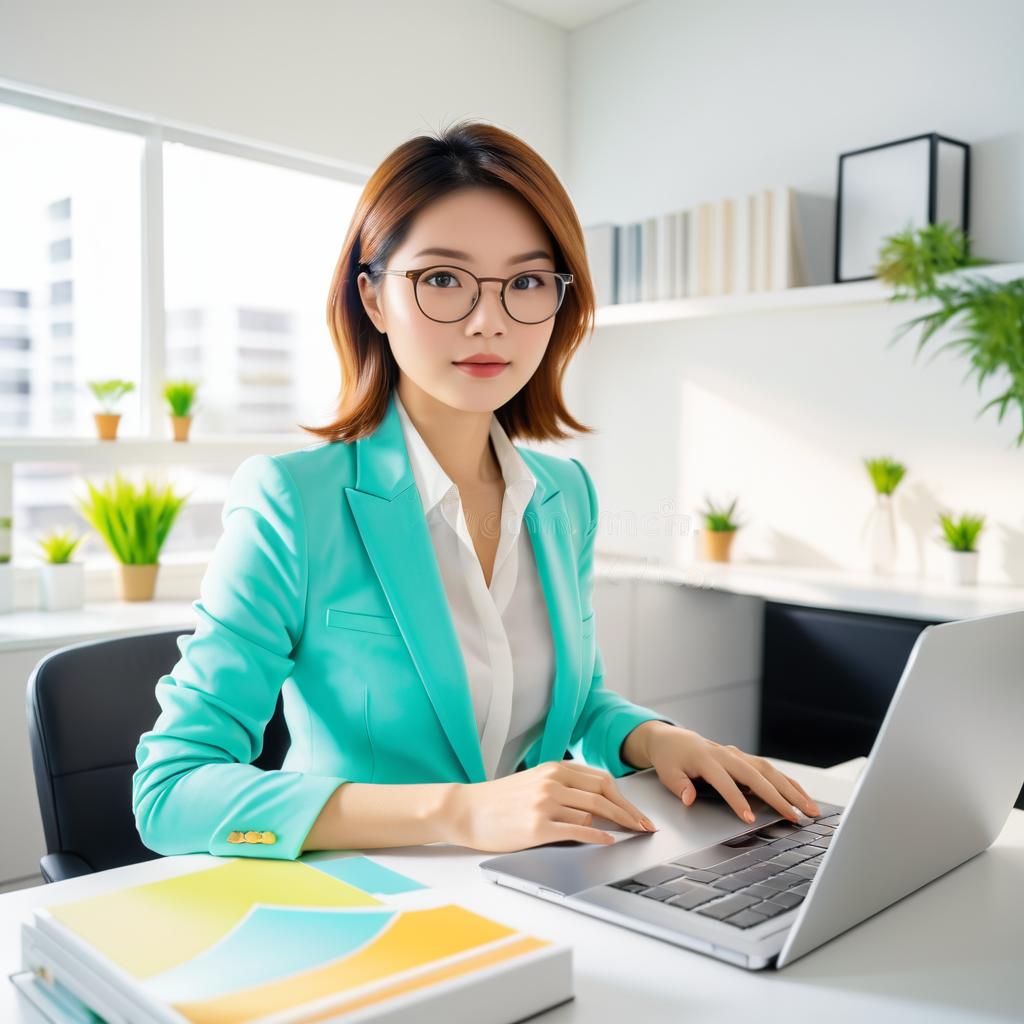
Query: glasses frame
{"type": "Point", "coordinates": [414, 276]}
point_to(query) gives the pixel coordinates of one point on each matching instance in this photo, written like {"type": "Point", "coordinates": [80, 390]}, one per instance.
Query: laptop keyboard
{"type": "Point", "coordinates": [743, 881]}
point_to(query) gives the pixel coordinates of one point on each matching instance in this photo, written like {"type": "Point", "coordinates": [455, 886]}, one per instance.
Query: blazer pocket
{"type": "Point", "coordinates": [587, 623]}
{"type": "Point", "coordinates": [338, 618]}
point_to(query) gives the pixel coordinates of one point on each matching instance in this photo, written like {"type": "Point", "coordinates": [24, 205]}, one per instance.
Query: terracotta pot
{"type": "Point", "coordinates": [181, 426]}
{"type": "Point", "coordinates": [717, 544]}
{"type": "Point", "coordinates": [136, 582]}
{"type": "Point", "coordinates": [106, 425]}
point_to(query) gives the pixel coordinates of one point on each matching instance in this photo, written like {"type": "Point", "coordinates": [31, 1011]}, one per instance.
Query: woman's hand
{"type": "Point", "coordinates": [679, 755]}
{"type": "Point", "coordinates": [554, 801]}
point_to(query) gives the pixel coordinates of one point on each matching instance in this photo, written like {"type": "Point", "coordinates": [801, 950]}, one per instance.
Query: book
{"type": "Point", "coordinates": [602, 241]}
{"type": "Point", "coordinates": [321, 938]}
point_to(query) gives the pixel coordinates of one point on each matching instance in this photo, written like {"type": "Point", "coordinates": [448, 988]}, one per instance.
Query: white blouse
{"type": "Point", "coordinates": [503, 630]}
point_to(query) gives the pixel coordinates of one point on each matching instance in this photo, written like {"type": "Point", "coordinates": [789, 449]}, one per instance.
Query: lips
{"type": "Point", "coordinates": [482, 358]}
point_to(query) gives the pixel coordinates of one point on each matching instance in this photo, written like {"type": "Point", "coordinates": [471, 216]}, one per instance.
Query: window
{"type": "Point", "coordinates": [250, 250]}
{"type": "Point", "coordinates": [250, 240]}
{"type": "Point", "coordinates": [64, 182]}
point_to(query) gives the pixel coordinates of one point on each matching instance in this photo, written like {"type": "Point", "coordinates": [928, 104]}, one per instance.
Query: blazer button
{"type": "Point", "coordinates": [236, 837]}
{"type": "Point", "coordinates": [269, 839]}
{"type": "Point", "coordinates": [253, 837]}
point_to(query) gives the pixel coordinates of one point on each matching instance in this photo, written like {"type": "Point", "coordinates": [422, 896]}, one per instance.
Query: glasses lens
{"type": "Point", "coordinates": [446, 293]}
{"type": "Point", "coordinates": [534, 296]}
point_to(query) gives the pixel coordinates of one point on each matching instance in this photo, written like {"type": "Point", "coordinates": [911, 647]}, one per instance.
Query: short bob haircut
{"type": "Point", "coordinates": [469, 153]}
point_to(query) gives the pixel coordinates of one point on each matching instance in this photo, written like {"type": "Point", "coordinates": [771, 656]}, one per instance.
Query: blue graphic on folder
{"type": "Point", "coordinates": [366, 874]}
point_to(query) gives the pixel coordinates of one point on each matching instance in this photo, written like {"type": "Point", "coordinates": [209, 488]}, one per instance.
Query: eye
{"type": "Point", "coordinates": [442, 273]}
{"type": "Point", "coordinates": [525, 277]}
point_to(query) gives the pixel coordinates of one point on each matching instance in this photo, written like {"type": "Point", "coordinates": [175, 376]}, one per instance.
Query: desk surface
{"type": "Point", "coordinates": [950, 952]}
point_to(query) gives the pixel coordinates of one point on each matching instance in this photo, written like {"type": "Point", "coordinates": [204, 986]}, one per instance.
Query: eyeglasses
{"type": "Point", "coordinates": [448, 294]}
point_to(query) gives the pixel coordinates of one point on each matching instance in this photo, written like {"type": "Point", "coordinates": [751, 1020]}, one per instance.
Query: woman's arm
{"type": "Point", "coordinates": [195, 790]}
{"type": "Point", "coordinates": [364, 815]}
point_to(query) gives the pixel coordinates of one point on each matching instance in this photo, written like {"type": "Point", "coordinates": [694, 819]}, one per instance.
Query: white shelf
{"type": "Point", "coordinates": [91, 451]}
{"type": "Point", "coordinates": [851, 293]}
{"type": "Point", "coordinates": [22, 630]}
{"type": "Point", "coordinates": [842, 590]}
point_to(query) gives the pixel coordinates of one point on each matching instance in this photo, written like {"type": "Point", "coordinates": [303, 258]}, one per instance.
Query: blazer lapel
{"type": "Point", "coordinates": [388, 513]}
{"type": "Point", "coordinates": [550, 529]}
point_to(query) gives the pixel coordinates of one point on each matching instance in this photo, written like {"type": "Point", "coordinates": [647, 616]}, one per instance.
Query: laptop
{"type": "Point", "coordinates": [939, 784]}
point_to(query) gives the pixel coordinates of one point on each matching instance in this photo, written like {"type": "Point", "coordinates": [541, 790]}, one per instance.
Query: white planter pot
{"type": "Point", "coordinates": [961, 566]}
{"type": "Point", "coordinates": [61, 585]}
{"type": "Point", "coordinates": [6, 587]}
{"type": "Point", "coordinates": [881, 535]}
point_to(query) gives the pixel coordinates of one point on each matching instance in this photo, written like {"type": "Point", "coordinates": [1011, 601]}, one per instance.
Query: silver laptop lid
{"type": "Point", "coordinates": [941, 780]}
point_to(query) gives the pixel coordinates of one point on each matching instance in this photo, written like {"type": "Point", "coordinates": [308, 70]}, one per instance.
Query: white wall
{"type": "Point", "coordinates": [675, 101]}
{"type": "Point", "coordinates": [342, 78]}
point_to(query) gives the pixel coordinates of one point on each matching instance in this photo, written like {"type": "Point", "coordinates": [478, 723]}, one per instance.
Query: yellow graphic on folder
{"type": "Point", "coordinates": [150, 928]}
{"type": "Point", "coordinates": [414, 938]}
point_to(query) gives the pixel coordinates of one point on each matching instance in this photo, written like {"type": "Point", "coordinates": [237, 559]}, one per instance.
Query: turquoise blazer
{"type": "Point", "coordinates": [324, 585]}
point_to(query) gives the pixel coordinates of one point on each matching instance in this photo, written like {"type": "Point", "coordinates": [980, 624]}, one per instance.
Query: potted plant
{"type": "Point", "coordinates": [960, 535]}
{"type": "Point", "coordinates": [134, 523]}
{"type": "Point", "coordinates": [988, 314]}
{"type": "Point", "coordinates": [886, 474]}
{"type": "Point", "coordinates": [6, 569]}
{"type": "Point", "coordinates": [61, 581]}
{"type": "Point", "coordinates": [180, 396]}
{"type": "Point", "coordinates": [719, 530]}
{"type": "Point", "coordinates": [6, 584]}
{"type": "Point", "coordinates": [108, 393]}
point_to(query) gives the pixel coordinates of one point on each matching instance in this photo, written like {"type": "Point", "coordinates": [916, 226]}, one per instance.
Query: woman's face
{"type": "Point", "coordinates": [485, 230]}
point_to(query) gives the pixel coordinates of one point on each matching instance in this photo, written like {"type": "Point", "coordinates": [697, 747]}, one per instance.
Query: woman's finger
{"type": "Point", "coordinates": [815, 809]}
{"type": "Point", "coordinates": [557, 831]}
{"type": "Point", "coordinates": [718, 777]}
{"type": "Point", "coordinates": [791, 790]}
{"type": "Point", "coordinates": [573, 815]}
{"type": "Point", "coordinates": [597, 803]}
{"type": "Point", "coordinates": [743, 769]}
{"type": "Point", "coordinates": [595, 780]}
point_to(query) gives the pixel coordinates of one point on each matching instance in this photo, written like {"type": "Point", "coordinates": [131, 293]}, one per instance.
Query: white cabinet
{"type": "Point", "coordinates": [691, 653]}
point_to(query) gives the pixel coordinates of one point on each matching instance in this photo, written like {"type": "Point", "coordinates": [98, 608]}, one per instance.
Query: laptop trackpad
{"type": "Point", "coordinates": [569, 866]}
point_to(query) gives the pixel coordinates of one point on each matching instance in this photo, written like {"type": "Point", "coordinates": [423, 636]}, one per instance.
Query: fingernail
{"type": "Point", "coordinates": [649, 825]}
{"type": "Point", "coordinates": [815, 809]}
{"type": "Point", "coordinates": [748, 816]}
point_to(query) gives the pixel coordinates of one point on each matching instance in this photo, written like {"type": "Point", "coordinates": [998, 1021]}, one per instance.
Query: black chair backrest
{"type": "Point", "coordinates": [88, 703]}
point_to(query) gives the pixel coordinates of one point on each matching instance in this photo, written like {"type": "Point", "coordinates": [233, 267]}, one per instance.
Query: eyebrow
{"type": "Point", "coordinates": [455, 254]}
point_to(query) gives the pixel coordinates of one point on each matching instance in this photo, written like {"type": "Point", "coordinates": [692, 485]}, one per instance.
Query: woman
{"type": "Point", "coordinates": [418, 585]}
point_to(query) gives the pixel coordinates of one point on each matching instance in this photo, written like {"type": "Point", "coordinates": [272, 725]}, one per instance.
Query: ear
{"type": "Point", "coordinates": [371, 301]}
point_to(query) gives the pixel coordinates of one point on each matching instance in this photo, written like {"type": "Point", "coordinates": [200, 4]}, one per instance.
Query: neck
{"type": "Point", "coordinates": [459, 440]}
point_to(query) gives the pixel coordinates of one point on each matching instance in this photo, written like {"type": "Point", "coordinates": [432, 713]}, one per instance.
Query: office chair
{"type": "Point", "coordinates": [88, 703]}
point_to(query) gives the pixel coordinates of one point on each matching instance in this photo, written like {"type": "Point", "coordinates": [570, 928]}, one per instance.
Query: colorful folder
{"type": "Point", "coordinates": [323, 938]}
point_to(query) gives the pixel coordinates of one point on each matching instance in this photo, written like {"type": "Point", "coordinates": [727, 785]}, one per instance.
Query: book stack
{"type": "Point", "coordinates": [323, 938]}
{"type": "Point", "coordinates": [771, 239]}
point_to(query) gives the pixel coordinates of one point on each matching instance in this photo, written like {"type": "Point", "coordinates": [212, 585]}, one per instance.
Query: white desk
{"type": "Point", "coordinates": [951, 952]}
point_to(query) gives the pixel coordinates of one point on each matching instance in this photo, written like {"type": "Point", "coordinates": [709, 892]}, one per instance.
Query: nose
{"type": "Point", "coordinates": [488, 315]}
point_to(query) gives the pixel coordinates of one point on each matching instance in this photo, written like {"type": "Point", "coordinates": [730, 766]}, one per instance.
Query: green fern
{"type": "Point", "coordinates": [719, 518]}
{"type": "Point", "coordinates": [910, 259]}
{"type": "Point", "coordinates": [109, 392]}
{"type": "Point", "coordinates": [961, 533]}
{"type": "Point", "coordinates": [134, 523]}
{"type": "Point", "coordinates": [59, 546]}
{"type": "Point", "coordinates": [886, 473]}
{"type": "Point", "coordinates": [180, 396]}
{"type": "Point", "coordinates": [987, 317]}
{"type": "Point", "coordinates": [989, 332]}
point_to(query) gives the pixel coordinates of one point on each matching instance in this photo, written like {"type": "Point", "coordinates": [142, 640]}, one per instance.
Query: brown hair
{"type": "Point", "coordinates": [425, 168]}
